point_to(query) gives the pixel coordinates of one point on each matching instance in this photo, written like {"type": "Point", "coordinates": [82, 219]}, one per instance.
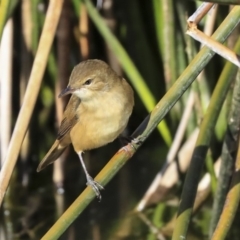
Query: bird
{"type": "Point", "coordinates": [96, 114]}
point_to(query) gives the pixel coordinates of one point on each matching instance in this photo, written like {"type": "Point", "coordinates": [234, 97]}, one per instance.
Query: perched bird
{"type": "Point", "coordinates": [97, 112]}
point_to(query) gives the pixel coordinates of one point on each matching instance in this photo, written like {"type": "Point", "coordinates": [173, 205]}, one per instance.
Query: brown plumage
{"type": "Point", "coordinates": [95, 115]}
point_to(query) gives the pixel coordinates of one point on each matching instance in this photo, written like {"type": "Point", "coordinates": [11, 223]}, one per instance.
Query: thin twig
{"type": "Point", "coordinates": [52, 17]}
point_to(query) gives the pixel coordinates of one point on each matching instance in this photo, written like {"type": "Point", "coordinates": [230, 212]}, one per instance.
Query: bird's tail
{"type": "Point", "coordinates": [53, 154]}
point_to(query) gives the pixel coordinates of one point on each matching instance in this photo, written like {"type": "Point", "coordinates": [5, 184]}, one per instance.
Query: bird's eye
{"type": "Point", "coordinates": [88, 82]}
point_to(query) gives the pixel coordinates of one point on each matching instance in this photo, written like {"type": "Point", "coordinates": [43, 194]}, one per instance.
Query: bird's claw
{"type": "Point", "coordinates": [95, 186]}
{"type": "Point", "coordinates": [138, 140]}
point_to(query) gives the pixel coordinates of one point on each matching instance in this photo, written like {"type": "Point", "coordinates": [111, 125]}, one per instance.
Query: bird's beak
{"type": "Point", "coordinates": [66, 91]}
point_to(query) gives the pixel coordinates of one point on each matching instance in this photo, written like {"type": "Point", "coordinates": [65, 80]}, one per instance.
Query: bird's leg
{"type": "Point", "coordinates": [90, 182]}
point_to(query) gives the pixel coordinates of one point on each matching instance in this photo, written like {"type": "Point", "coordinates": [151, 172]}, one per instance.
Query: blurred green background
{"type": "Point", "coordinates": [145, 42]}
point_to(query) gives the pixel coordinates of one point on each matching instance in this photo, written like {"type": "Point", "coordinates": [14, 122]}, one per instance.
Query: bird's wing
{"type": "Point", "coordinates": [70, 117]}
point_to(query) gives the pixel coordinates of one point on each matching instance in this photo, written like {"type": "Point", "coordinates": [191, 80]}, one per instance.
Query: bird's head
{"type": "Point", "coordinates": [89, 79]}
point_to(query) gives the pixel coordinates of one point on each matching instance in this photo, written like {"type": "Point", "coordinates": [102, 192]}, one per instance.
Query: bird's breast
{"type": "Point", "coordinates": [101, 120]}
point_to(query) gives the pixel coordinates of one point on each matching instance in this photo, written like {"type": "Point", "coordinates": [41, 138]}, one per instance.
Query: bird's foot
{"type": "Point", "coordinates": [95, 186]}
{"type": "Point", "coordinates": [138, 140]}
{"type": "Point", "coordinates": [134, 143]}
{"type": "Point", "coordinates": [125, 139]}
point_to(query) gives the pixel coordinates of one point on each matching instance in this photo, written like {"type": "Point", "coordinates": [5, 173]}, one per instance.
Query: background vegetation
{"type": "Point", "coordinates": [146, 42]}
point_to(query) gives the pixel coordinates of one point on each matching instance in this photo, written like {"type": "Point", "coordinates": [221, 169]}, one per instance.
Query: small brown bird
{"type": "Point", "coordinates": [97, 112]}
